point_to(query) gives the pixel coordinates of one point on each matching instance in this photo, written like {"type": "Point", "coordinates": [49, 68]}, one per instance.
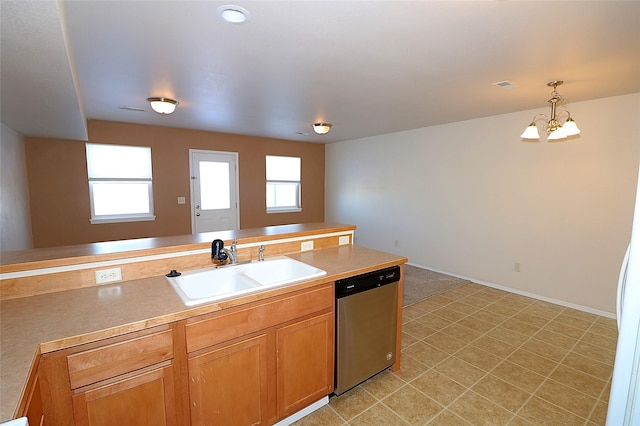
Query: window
{"type": "Point", "coordinates": [283, 184]}
{"type": "Point", "coordinates": [215, 189]}
{"type": "Point", "coordinates": [120, 188]}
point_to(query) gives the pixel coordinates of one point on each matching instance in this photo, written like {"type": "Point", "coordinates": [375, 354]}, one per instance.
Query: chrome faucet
{"type": "Point", "coordinates": [261, 253]}
{"type": "Point", "coordinates": [221, 254]}
{"type": "Point", "coordinates": [232, 253]}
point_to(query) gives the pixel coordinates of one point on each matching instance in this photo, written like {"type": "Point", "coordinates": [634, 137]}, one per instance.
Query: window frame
{"type": "Point", "coordinates": [298, 188]}
{"type": "Point", "coordinates": [121, 217]}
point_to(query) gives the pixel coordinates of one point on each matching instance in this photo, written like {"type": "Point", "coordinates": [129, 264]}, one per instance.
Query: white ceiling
{"type": "Point", "coordinates": [367, 67]}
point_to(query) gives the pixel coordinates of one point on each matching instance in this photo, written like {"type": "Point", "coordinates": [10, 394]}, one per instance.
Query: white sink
{"type": "Point", "coordinates": [280, 271]}
{"type": "Point", "coordinates": [211, 284]}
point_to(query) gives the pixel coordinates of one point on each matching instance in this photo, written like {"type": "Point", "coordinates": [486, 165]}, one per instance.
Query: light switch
{"type": "Point", "coordinates": [181, 200]}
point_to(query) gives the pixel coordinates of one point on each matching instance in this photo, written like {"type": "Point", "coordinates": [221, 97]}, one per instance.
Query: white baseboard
{"type": "Point", "coordinates": [523, 293]}
{"type": "Point", "coordinates": [304, 412]}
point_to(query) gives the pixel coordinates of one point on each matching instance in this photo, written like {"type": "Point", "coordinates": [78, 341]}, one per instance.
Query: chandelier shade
{"type": "Point", "coordinates": [531, 132]}
{"type": "Point", "coordinates": [570, 127]}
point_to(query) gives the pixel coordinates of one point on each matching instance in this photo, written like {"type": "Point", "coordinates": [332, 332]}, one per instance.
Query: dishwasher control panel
{"type": "Point", "coordinates": [358, 283]}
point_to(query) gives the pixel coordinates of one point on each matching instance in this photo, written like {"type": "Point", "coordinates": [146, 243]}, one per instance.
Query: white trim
{"type": "Point", "coordinates": [120, 219]}
{"type": "Point", "coordinates": [271, 210]}
{"type": "Point", "coordinates": [293, 239]}
{"type": "Point", "coordinates": [525, 293]}
{"type": "Point", "coordinates": [115, 262]}
{"type": "Point", "coordinates": [101, 264]}
{"type": "Point", "coordinates": [304, 412]}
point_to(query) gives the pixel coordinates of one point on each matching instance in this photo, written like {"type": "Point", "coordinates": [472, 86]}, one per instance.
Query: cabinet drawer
{"type": "Point", "coordinates": [109, 361]}
{"type": "Point", "coordinates": [241, 321]}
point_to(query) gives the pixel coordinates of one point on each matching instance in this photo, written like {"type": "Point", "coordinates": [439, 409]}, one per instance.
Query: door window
{"type": "Point", "coordinates": [214, 185]}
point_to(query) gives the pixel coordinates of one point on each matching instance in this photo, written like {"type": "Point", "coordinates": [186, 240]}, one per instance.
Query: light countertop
{"type": "Point", "coordinates": [68, 255]}
{"type": "Point", "coordinates": [60, 320]}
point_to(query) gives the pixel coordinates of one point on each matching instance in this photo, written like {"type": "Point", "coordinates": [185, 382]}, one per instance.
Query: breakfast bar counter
{"type": "Point", "coordinates": [40, 324]}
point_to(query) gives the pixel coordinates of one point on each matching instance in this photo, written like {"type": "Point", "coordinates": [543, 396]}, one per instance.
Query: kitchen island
{"type": "Point", "coordinates": [43, 325]}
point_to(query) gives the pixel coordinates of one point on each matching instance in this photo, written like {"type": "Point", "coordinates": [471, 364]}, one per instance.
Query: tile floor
{"type": "Point", "coordinates": [480, 356]}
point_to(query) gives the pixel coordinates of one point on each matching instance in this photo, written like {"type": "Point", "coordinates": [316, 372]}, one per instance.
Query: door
{"type": "Point", "coordinates": [230, 385]}
{"type": "Point", "coordinates": [214, 191]}
{"type": "Point", "coordinates": [624, 398]}
{"type": "Point", "coordinates": [143, 399]}
{"type": "Point", "coordinates": [304, 363]}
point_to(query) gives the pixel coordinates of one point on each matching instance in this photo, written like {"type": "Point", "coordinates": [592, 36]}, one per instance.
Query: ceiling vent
{"type": "Point", "coordinates": [505, 84]}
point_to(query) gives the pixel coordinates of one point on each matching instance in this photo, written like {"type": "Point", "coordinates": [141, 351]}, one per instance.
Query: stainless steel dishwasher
{"type": "Point", "coordinates": [366, 320]}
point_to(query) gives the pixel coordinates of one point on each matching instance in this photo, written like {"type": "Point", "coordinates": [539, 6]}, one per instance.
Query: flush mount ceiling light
{"type": "Point", "coordinates": [321, 128]}
{"type": "Point", "coordinates": [554, 128]}
{"type": "Point", "coordinates": [233, 14]}
{"type": "Point", "coordinates": [162, 105]}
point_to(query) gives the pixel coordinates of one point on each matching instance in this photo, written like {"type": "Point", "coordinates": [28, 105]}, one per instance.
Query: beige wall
{"type": "Point", "coordinates": [471, 199]}
{"type": "Point", "coordinates": [15, 225]}
{"type": "Point", "coordinates": [60, 197]}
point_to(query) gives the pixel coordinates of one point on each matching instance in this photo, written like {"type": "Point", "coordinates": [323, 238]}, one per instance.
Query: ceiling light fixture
{"type": "Point", "coordinates": [554, 128]}
{"type": "Point", "coordinates": [321, 128]}
{"type": "Point", "coordinates": [233, 14]}
{"type": "Point", "coordinates": [163, 105]}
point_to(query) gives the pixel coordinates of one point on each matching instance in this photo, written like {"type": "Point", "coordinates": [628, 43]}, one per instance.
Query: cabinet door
{"type": "Point", "coordinates": [144, 399]}
{"type": "Point", "coordinates": [229, 385]}
{"type": "Point", "coordinates": [304, 363]}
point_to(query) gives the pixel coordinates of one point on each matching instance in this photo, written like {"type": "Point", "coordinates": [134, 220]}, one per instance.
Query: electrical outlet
{"type": "Point", "coordinates": [108, 275]}
{"type": "Point", "coordinates": [343, 239]}
{"type": "Point", "coordinates": [516, 267]}
{"type": "Point", "coordinates": [306, 246]}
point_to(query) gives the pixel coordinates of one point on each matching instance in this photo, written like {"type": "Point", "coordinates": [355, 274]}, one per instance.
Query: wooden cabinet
{"type": "Point", "coordinates": [128, 382]}
{"type": "Point", "coordinates": [128, 379]}
{"type": "Point", "coordinates": [258, 364]}
{"type": "Point", "coordinates": [252, 364]}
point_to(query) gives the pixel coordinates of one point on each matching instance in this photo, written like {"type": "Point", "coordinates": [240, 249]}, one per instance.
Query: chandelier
{"type": "Point", "coordinates": [554, 128]}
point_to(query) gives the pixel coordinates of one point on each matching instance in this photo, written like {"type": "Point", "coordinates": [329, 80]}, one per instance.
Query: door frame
{"type": "Point", "coordinates": [237, 188]}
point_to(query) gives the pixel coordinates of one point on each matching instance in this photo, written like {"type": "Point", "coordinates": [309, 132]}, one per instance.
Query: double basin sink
{"type": "Point", "coordinates": [212, 284]}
